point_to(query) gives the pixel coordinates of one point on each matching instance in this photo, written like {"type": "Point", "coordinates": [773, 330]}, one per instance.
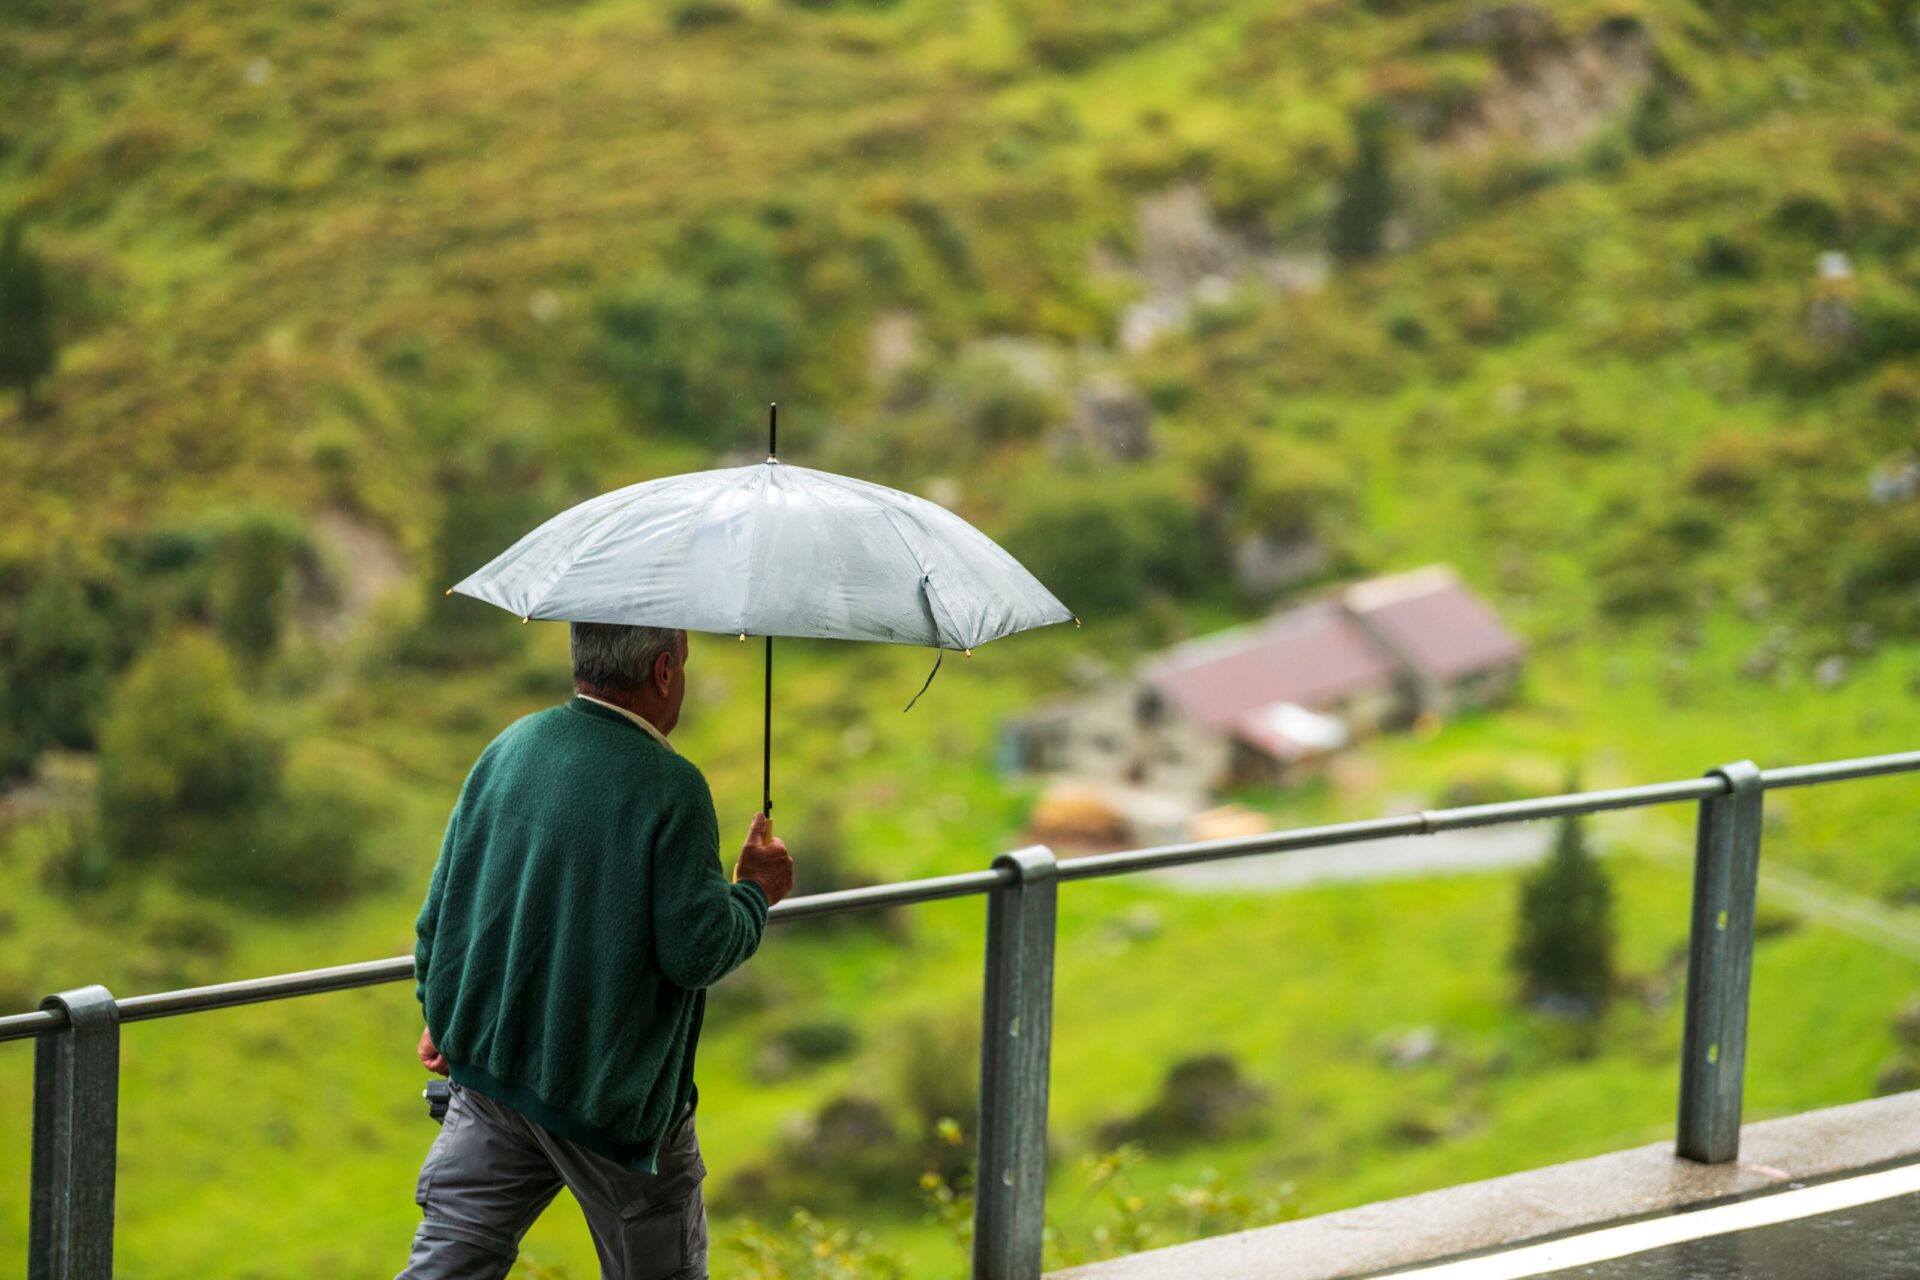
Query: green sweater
{"type": "Point", "coordinates": [576, 913]}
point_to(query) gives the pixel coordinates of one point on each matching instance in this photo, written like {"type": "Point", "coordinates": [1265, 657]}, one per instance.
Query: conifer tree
{"type": "Point", "coordinates": [1563, 945]}
{"type": "Point", "coordinates": [1366, 191]}
{"type": "Point", "coordinates": [28, 348]}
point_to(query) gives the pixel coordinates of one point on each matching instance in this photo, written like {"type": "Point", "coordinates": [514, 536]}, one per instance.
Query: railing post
{"type": "Point", "coordinates": [1016, 1034]}
{"type": "Point", "coordinates": [1726, 873]}
{"type": "Point", "coordinates": [76, 1114]}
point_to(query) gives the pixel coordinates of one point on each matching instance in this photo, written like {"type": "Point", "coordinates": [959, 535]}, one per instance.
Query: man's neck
{"type": "Point", "coordinates": [642, 708]}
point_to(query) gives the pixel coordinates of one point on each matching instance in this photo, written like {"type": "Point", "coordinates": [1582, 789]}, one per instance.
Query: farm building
{"type": "Point", "coordinates": [1261, 702]}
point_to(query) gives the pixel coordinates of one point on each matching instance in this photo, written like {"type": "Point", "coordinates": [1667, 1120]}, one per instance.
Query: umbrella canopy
{"type": "Point", "coordinates": [770, 550]}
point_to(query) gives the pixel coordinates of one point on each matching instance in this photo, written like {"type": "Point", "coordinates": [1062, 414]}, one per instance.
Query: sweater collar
{"type": "Point", "coordinates": [594, 704]}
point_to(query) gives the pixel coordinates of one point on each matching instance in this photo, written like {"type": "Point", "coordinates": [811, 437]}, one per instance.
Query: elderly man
{"type": "Point", "coordinates": [576, 915]}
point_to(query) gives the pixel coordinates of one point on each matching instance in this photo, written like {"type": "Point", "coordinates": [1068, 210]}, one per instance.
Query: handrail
{"type": "Point", "coordinates": [76, 1074]}
{"type": "Point", "coordinates": [224, 995]}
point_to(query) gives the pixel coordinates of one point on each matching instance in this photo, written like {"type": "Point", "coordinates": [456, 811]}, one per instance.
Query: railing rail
{"type": "Point", "coordinates": [76, 1073]}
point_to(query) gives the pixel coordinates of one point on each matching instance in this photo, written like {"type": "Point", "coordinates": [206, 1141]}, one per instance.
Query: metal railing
{"type": "Point", "coordinates": [76, 1064]}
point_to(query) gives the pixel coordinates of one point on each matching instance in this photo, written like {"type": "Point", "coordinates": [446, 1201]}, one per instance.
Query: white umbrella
{"type": "Point", "coordinates": [770, 550]}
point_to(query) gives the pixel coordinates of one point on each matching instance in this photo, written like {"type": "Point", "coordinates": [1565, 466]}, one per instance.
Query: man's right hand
{"type": "Point", "coordinates": [764, 860]}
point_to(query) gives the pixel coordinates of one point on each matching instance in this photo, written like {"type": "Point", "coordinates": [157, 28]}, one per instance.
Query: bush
{"type": "Point", "coordinates": [1366, 191]}
{"type": "Point", "coordinates": [940, 1083]}
{"type": "Point", "coordinates": [59, 648]}
{"type": "Point", "coordinates": [808, 1249]}
{"type": "Point", "coordinates": [804, 1046]}
{"type": "Point", "coordinates": [491, 498]}
{"type": "Point", "coordinates": [1202, 1099]}
{"type": "Point", "coordinates": [697, 15]}
{"type": "Point", "coordinates": [183, 765]}
{"type": "Point", "coordinates": [302, 851]}
{"type": "Point", "coordinates": [994, 402]}
{"type": "Point", "coordinates": [1654, 124]}
{"type": "Point", "coordinates": [850, 1151]}
{"type": "Point", "coordinates": [700, 350]}
{"type": "Point", "coordinates": [28, 345]}
{"type": "Point", "coordinates": [190, 781]}
{"type": "Point", "coordinates": [1101, 543]}
{"type": "Point", "coordinates": [254, 560]}
{"type": "Point", "coordinates": [1563, 943]}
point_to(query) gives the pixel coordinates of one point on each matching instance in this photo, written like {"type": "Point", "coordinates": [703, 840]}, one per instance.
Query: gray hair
{"type": "Point", "coordinates": [615, 658]}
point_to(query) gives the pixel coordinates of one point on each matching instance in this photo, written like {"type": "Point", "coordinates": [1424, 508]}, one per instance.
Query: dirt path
{"type": "Point", "coordinates": [1403, 858]}
{"type": "Point", "coordinates": [1502, 848]}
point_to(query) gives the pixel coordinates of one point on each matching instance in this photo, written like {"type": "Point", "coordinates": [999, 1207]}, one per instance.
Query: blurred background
{"type": "Point", "coordinates": [1600, 319]}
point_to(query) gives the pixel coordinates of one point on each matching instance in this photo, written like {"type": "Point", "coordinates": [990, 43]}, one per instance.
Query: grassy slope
{"type": "Point", "coordinates": [348, 251]}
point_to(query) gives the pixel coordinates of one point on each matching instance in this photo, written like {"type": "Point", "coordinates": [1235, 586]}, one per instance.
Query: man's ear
{"type": "Point", "coordinates": [663, 673]}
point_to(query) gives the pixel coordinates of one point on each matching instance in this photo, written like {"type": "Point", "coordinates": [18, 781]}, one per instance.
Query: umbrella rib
{"type": "Point", "coordinates": [926, 582]}
{"type": "Point", "coordinates": [588, 540]}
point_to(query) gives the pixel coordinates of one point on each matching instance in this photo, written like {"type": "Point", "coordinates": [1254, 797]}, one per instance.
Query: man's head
{"type": "Point", "coordinates": [643, 669]}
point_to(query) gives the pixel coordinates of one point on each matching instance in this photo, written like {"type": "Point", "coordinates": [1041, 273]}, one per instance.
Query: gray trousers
{"type": "Point", "coordinates": [491, 1172]}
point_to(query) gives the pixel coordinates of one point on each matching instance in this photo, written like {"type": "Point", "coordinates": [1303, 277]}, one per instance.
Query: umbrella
{"type": "Point", "coordinates": [771, 549]}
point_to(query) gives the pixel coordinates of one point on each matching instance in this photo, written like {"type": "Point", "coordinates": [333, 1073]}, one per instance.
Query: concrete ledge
{"type": "Point", "coordinates": [1540, 1203]}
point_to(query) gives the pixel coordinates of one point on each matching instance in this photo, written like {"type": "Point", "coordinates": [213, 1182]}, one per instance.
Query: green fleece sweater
{"type": "Point", "coordinates": [576, 913]}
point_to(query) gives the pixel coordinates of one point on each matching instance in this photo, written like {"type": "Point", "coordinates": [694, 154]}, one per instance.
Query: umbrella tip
{"type": "Point", "coordinates": [743, 635]}
{"type": "Point", "coordinates": [966, 653]}
{"type": "Point", "coordinates": [524, 621]}
{"type": "Point", "coordinates": [1076, 622]}
{"type": "Point", "coordinates": [449, 590]}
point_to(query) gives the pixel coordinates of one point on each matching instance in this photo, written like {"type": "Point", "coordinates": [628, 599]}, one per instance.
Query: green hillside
{"type": "Point", "coordinates": [1615, 306]}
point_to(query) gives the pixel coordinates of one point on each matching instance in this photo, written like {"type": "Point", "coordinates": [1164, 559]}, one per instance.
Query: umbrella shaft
{"type": "Point", "coordinates": [766, 742]}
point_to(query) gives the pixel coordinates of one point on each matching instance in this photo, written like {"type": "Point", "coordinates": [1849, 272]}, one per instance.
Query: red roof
{"type": "Point", "coordinates": [1315, 656]}
{"type": "Point", "coordinates": [1434, 623]}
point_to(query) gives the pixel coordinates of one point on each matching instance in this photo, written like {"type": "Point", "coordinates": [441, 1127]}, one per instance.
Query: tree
{"type": "Point", "coordinates": [1366, 191]}
{"type": "Point", "coordinates": [1103, 542]}
{"type": "Point", "coordinates": [1563, 945]}
{"type": "Point", "coordinates": [183, 762]}
{"type": "Point", "coordinates": [193, 782]}
{"type": "Point", "coordinates": [57, 655]}
{"type": "Point", "coordinates": [492, 494]}
{"type": "Point", "coordinates": [255, 557]}
{"type": "Point", "coordinates": [28, 347]}
{"type": "Point", "coordinates": [699, 349]}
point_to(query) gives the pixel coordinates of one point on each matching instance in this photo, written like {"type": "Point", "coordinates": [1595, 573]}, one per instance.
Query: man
{"type": "Point", "coordinates": [576, 915]}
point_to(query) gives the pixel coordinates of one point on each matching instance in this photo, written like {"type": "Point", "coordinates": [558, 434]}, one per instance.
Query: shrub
{"type": "Point", "coordinates": [700, 349]}
{"type": "Point", "coordinates": [1102, 542]}
{"type": "Point", "coordinates": [254, 559]}
{"type": "Point", "coordinates": [58, 651]}
{"type": "Point", "coordinates": [1202, 1099]}
{"type": "Point", "coordinates": [808, 1249]}
{"type": "Point", "coordinates": [191, 782]}
{"type": "Point", "coordinates": [1806, 214]}
{"type": "Point", "coordinates": [491, 498]}
{"type": "Point", "coordinates": [1654, 125]}
{"type": "Point", "coordinates": [697, 15]}
{"type": "Point", "coordinates": [940, 1082]}
{"type": "Point", "coordinates": [1728, 466]}
{"type": "Point", "coordinates": [850, 1150]}
{"type": "Point", "coordinates": [1563, 943]}
{"type": "Point", "coordinates": [183, 764]}
{"type": "Point", "coordinates": [29, 348]}
{"type": "Point", "coordinates": [1728, 255]}
{"type": "Point", "coordinates": [822, 1040]}
{"type": "Point", "coordinates": [806, 1045]}
{"type": "Point", "coordinates": [994, 402]}
{"type": "Point", "coordinates": [1366, 190]}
